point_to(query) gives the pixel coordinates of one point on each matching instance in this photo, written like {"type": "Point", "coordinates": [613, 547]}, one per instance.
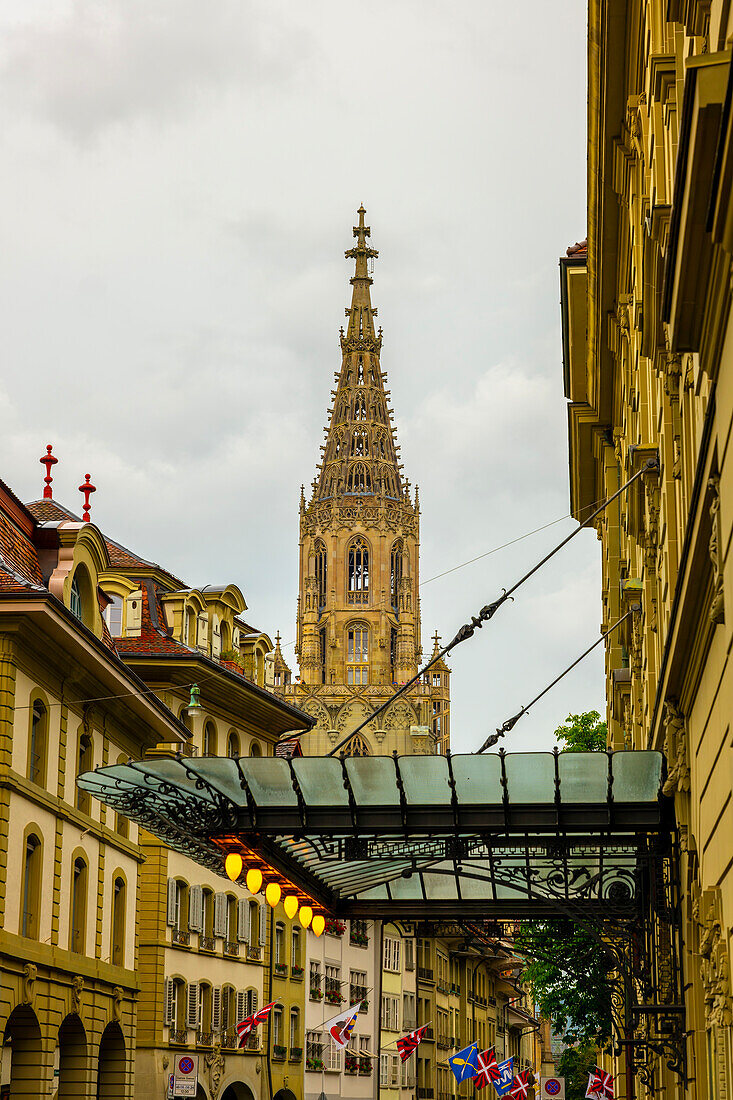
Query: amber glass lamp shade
{"type": "Point", "coordinates": [233, 866]}
{"type": "Point", "coordinates": [254, 880]}
{"type": "Point", "coordinates": [305, 915]}
{"type": "Point", "coordinates": [272, 894]}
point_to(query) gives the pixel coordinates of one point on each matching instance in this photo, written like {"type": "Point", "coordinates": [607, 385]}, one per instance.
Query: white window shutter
{"type": "Point", "coordinates": [195, 906]}
{"type": "Point", "coordinates": [216, 638]}
{"type": "Point", "coordinates": [252, 1003]}
{"type": "Point", "coordinates": [216, 1009]}
{"type": "Point", "coordinates": [134, 614]}
{"type": "Point", "coordinates": [220, 915]}
{"type": "Point", "coordinates": [242, 920]}
{"type": "Point", "coordinates": [169, 1004]}
{"type": "Point", "coordinates": [192, 1012]}
{"type": "Point", "coordinates": [241, 1005]}
{"type": "Point", "coordinates": [202, 639]}
{"type": "Point", "coordinates": [263, 924]}
{"type": "Point", "coordinates": [172, 890]}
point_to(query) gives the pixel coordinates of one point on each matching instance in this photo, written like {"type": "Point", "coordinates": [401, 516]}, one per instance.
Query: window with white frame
{"type": "Point", "coordinates": [391, 959]}
{"type": "Point", "coordinates": [390, 1012]}
{"type": "Point", "coordinates": [332, 1059]}
{"type": "Point", "coordinates": [389, 1071]}
{"type": "Point", "coordinates": [313, 1050]}
{"type": "Point", "coordinates": [113, 616]}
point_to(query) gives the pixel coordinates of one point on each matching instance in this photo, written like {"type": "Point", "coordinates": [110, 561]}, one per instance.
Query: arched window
{"type": "Point", "coordinates": [295, 948]}
{"type": "Point", "coordinates": [277, 1028]}
{"type": "Point", "coordinates": [360, 371]}
{"type": "Point", "coordinates": [226, 644]}
{"type": "Point", "coordinates": [321, 566]}
{"type": "Point", "coordinates": [84, 764]}
{"type": "Point", "coordinates": [357, 746]}
{"type": "Point", "coordinates": [358, 576]}
{"type": "Point", "coordinates": [360, 412]}
{"type": "Point", "coordinates": [119, 906]}
{"type": "Point", "coordinates": [78, 921]}
{"type": "Point", "coordinates": [190, 638]}
{"type": "Point", "coordinates": [228, 1010]}
{"type": "Point", "coordinates": [31, 887]}
{"type": "Point", "coordinates": [294, 1029]}
{"type": "Point", "coordinates": [209, 739]}
{"type": "Point", "coordinates": [357, 668]}
{"type": "Point", "coordinates": [359, 479]}
{"type": "Point", "coordinates": [38, 743]}
{"type": "Point", "coordinates": [280, 959]}
{"type": "Point", "coordinates": [255, 749]}
{"type": "Point", "coordinates": [113, 616]}
{"type": "Point", "coordinates": [75, 602]}
{"type": "Point", "coordinates": [360, 444]}
{"type": "Point", "coordinates": [122, 823]}
{"type": "Point", "coordinates": [396, 572]}
{"type": "Point", "coordinates": [233, 745]}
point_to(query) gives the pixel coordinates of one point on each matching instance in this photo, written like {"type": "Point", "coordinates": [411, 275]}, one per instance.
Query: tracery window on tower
{"type": "Point", "coordinates": [357, 746]}
{"type": "Point", "coordinates": [360, 443]}
{"type": "Point", "coordinates": [358, 575]}
{"type": "Point", "coordinates": [360, 410]}
{"type": "Point", "coordinates": [321, 568]}
{"type": "Point", "coordinates": [396, 572]}
{"type": "Point", "coordinates": [322, 652]}
{"type": "Point", "coordinates": [360, 480]}
{"type": "Point", "coordinates": [360, 372]}
{"type": "Point", "coordinates": [357, 654]}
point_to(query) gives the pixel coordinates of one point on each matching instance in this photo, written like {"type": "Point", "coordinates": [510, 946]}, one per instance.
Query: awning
{"type": "Point", "coordinates": [414, 837]}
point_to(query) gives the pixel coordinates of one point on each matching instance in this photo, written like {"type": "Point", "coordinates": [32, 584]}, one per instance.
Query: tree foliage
{"type": "Point", "coordinates": [568, 967]}
{"type": "Point", "coordinates": [574, 1064]}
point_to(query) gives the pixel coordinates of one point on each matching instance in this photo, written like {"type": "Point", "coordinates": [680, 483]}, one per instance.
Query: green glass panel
{"type": "Point", "coordinates": [530, 776]}
{"type": "Point", "coordinates": [637, 775]}
{"type": "Point", "coordinates": [321, 781]}
{"type": "Point", "coordinates": [269, 780]}
{"type": "Point", "coordinates": [373, 780]}
{"type": "Point", "coordinates": [583, 776]}
{"type": "Point", "coordinates": [478, 779]}
{"type": "Point", "coordinates": [406, 889]}
{"type": "Point", "coordinates": [167, 771]}
{"type": "Point", "coordinates": [222, 773]}
{"type": "Point", "coordinates": [440, 887]}
{"type": "Point", "coordinates": [425, 779]}
{"type": "Point", "coordinates": [376, 893]}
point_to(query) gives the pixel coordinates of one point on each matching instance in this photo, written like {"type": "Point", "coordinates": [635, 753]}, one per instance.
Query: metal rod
{"type": "Point", "coordinates": [487, 612]}
{"type": "Point", "coordinates": [510, 723]}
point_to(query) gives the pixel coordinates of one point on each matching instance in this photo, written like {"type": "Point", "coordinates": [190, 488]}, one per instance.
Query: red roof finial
{"type": "Point", "coordinates": [87, 489]}
{"type": "Point", "coordinates": [48, 461]}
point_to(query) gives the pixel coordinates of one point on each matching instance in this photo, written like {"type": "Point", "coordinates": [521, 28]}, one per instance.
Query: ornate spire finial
{"type": "Point", "coordinates": [87, 489]}
{"type": "Point", "coordinates": [48, 461]}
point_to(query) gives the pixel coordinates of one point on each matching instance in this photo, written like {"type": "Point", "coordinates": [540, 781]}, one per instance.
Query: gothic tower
{"type": "Point", "coordinates": [358, 620]}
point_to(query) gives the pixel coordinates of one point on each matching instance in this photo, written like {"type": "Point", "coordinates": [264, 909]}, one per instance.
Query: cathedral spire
{"type": "Point", "coordinates": [360, 456]}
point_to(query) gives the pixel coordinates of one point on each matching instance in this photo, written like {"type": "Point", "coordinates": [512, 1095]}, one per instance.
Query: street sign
{"type": "Point", "coordinates": [170, 1086]}
{"type": "Point", "coordinates": [186, 1075]}
{"type": "Point", "coordinates": [552, 1088]}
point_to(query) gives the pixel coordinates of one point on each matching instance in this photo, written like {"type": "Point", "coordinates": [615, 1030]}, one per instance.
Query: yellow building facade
{"type": "Point", "coordinates": [648, 361]}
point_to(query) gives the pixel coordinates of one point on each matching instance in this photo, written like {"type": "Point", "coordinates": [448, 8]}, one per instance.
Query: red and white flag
{"type": "Point", "coordinates": [410, 1042]}
{"type": "Point", "coordinates": [247, 1026]}
{"type": "Point", "coordinates": [521, 1085]}
{"type": "Point", "coordinates": [340, 1027]}
{"type": "Point", "coordinates": [488, 1068]}
{"type": "Point", "coordinates": [600, 1084]}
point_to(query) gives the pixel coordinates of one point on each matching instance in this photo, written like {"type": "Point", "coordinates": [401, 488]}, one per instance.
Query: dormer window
{"type": "Point", "coordinates": [113, 616]}
{"type": "Point", "coordinates": [75, 606]}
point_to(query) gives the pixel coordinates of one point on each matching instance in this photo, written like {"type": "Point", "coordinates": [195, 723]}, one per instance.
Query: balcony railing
{"type": "Point", "coordinates": [230, 1042]}
{"type": "Point", "coordinates": [455, 988]}
{"type": "Point", "coordinates": [178, 1035]}
{"type": "Point", "coordinates": [443, 987]}
{"type": "Point", "coordinates": [428, 1033]}
{"type": "Point", "coordinates": [254, 954]}
{"type": "Point", "coordinates": [445, 1042]}
{"type": "Point", "coordinates": [231, 948]}
{"type": "Point", "coordinates": [206, 943]}
{"type": "Point", "coordinates": [425, 1094]}
{"type": "Point", "coordinates": [204, 1038]}
{"type": "Point", "coordinates": [181, 938]}
{"type": "Point", "coordinates": [253, 1042]}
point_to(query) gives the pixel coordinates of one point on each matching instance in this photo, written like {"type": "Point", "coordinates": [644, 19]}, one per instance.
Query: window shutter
{"type": "Point", "coordinates": [263, 924]}
{"type": "Point", "coordinates": [202, 639]}
{"type": "Point", "coordinates": [192, 1014]}
{"type": "Point", "coordinates": [241, 1006]}
{"type": "Point", "coordinates": [409, 954]}
{"type": "Point", "coordinates": [216, 1009]}
{"type": "Point", "coordinates": [195, 908]}
{"type": "Point", "coordinates": [134, 614]}
{"type": "Point", "coordinates": [172, 889]}
{"type": "Point", "coordinates": [242, 918]}
{"type": "Point", "coordinates": [220, 915]}
{"type": "Point", "coordinates": [252, 1002]}
{"type": "Point", "coordinates": [383, 1070]}
{"type": "Point", "coordinates": [216, 638]}
{"type": "Point", "coordinates": [169, 1003]}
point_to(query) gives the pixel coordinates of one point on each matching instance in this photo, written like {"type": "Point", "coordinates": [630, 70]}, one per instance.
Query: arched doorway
{"type": "Point", "coordinates": [111, 1066]}
{"type": "Point", "coordinates": [73, 1070]}
{"type": "Point", "coordinates": [284, 1094]}
{"type": "Point", "coordinates": [24, 1068]}
{"type": "Point", "coordinates": [237, 1091]}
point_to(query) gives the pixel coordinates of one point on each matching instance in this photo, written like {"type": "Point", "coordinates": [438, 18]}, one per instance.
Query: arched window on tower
{"type": "Point", "coordinates": [360, 480]}
{"type": "Point", "coordinates": [396, 572]}
{"type": "Point", "coordinates": [360, 443]}
{"type": "Point", "coordinates": [321, 572]}
{"type": "Point", "coordinates": [358, 578]}
{"type": "Point", "coordinates": [360, 371]}
{"type": "Point", "coordinates": [322, 647]}
{"type": "Point", "coordinates": [360, 410]}
{"type": "Point", "coordinates": [357, 654]}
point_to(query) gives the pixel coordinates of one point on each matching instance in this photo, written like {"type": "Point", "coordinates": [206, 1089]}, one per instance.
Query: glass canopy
{"type": "Point", "coordinates": [414, 836]}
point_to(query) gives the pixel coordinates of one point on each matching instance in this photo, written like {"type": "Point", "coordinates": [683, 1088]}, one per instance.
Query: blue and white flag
{"type": "Point", "coordinates": [503, 1082]}
{"type": "Point", "coordinates": [464, 1064]}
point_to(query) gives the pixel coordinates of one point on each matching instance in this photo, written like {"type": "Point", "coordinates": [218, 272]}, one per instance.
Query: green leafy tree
{"type": "Point", "coordinates": [574, 1064]}
{"type": "Point", "coordinates": [568, 968]}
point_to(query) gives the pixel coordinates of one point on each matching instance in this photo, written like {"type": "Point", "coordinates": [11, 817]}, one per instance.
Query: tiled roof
{"type": "Point", "coordinates": [154, 639]}
{"type": "Point", "coordinates": [18, 557]}
{"type": "Point", "coordinates": [48, 511]}
{"type": "Point", "coordinates": [580, 248]}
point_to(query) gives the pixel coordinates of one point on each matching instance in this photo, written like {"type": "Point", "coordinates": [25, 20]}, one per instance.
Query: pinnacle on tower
{"type": "Point", "coordinates": [360, 454]}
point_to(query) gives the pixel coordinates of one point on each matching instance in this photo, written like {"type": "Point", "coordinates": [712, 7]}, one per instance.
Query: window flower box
{"type": "Point", "coordinates": [281, 969]}
{"type": "Point", "coordinates": [278, 1053]}
{"type": "Point", "coordinates": [352, 1063]}
{"type": "Point", "coordinates": [296, 1054]}
{"type": "Point", "coordinates": [315, 1065]}
{"type": "Point", "coordinates": [333, 997]}
{"type": "Point", "coordinates": [365, 1066]}
{"type": "Point", "coordinates": [335, 927]}
{"type": "Point", "coordinates": [296, 971]}
{"type": "Point", "coordinates": [359, 939]}
{"type": "Point", "coordinates": [316, 994]}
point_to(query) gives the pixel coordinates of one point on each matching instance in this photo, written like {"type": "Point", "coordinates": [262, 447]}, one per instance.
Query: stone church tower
{"type": "Point", "coordinates": [358, 620]}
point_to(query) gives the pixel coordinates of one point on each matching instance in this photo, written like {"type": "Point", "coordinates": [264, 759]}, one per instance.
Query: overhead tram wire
{"type": "Point", "coordinates": [510, 723]}
{"type": "Point", "coordinates": [489, 610]}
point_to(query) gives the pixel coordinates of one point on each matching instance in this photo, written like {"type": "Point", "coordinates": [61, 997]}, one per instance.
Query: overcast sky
{"type": "Point", "coordinates": [179, 185]}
